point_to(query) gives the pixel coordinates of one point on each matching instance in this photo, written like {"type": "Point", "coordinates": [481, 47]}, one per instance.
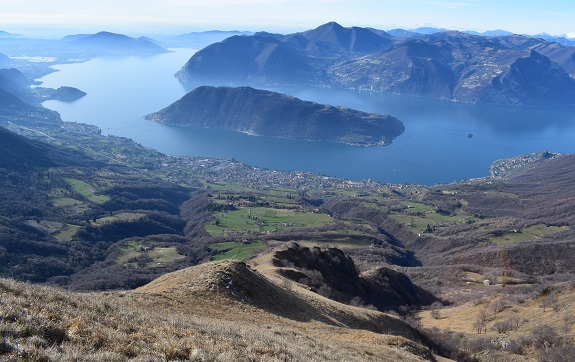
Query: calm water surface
{"type": "Point", "coordinates": [434, 148]}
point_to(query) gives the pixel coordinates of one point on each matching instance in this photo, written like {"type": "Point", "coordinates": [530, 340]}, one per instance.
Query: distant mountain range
{"type": "Point", "coordinates": [503, 69]}
{"type": "Point", "coordinates": [5, 34]}
{"type": "Point", "coordinates": [113, 43]}
{"type": "Point", "coordinates": [199, 40]}
{"type": "Point", "coordinates": [266, 113]}
{"type": "Point", "coordinates": [21, 103]}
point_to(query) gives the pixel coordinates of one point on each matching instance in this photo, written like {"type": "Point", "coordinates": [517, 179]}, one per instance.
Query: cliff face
{"type": "Point", "coordinates": [510, 70]}
{"type": "Point", "coordinates": [266, 113]}
{"type": "Point", "coordinates": [335, 272]}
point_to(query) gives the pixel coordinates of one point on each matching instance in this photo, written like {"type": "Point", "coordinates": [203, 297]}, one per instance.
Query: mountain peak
{"type": "Point", "coordinates": [331, 24]}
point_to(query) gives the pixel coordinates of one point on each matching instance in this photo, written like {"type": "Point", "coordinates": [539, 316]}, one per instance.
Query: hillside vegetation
{"type": "Point", "coordinates": [509, 69]}
{"type": "Point", "coordinates": [195, 315]}
{"type": "Point", "coordinates": [265, 113]}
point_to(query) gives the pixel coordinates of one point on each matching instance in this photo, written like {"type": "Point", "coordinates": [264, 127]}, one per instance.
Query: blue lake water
{"type": "Point", "coordinates": [433, 149]}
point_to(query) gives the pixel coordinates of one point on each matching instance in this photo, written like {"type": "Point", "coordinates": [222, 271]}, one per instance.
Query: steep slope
{"type": "Point", "coordinates": [264, 58]}
{"type": "Point", "coordinates": [261, 112]}
{"type": "Point", "coordinates": [61, 212]}
{"type": "Point", "coordinates": [465, 68]}
{"type": "Point", "coordinates": [542, 197]}
{"type": "Point", "coordinates": [443, 64]}
{"type": "Point", "coordinates": [332, 40]}
{"type": "Point", "coordinates": [235, 288]}
{"type": "Point", "coordinates": [414, 67]}
{"type": "Point", "coordinates": [334, 275]}
{"type": "Point", "coordinates": [13, 81]}
{"type": "Point", "coordinates": [19, 103]}
{"type": "Point", "coordinates": [161, 323]}
{"type": "Point", "coordinates": [533, 80]}
{"type": "Point", "coordinates": [257, 59]}
{"type": "Point", "coordinates": [17, 152]}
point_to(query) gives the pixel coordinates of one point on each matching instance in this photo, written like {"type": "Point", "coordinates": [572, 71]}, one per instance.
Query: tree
{"type": "Point", "coordinates": [544, 337]}
{"type": "Point", "coordinates": [515, 322]}
{"type": "Point", "coordinates": [502, 326]}
{"type": "Point", "coordinates": [480, 323]}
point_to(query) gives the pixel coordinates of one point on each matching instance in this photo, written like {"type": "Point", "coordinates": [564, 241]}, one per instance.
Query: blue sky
{"type": "Point", "coordinates": [180, 16]}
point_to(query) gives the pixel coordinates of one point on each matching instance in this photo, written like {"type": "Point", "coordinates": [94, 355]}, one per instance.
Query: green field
{"type": "Point", "coordinates": [237, 250]}
{"type": "Point", "coordinates": [66, 233]}
{"type": "Point", "coordinates": [156, 256]}
{"type": "Point", "coordinates": [414, 207]}
{"type": "Point", "coordinates": [417, 216]}
{"type": "Point", "coordinates": [86, 190]}
{"type": "Point", "coordinates": [122, 216]}
{"type": "Point", "coordinates": [529, 233]}
{"type": "Point", "coordinates": [261, 219]}
{"type": "Point", "coordinates": [341, 242]}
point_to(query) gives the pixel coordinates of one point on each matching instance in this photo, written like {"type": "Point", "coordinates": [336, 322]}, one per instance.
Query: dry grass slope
{"type": "Point", "coordinates": [214, 312]}
{"type": "Point", "coordinates": [504, 328]}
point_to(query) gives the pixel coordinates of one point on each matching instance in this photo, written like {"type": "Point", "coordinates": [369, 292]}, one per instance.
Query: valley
{"type": "Point", "coordinates": [113, 250]}
{"type": "Point", "coordinates": [447, 238]}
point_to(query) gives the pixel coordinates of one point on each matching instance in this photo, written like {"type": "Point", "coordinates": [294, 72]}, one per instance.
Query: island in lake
{"type": "Point", "coordinates": [267, 113]}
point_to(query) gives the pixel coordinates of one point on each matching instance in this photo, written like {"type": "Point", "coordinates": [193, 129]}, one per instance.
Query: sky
{"type": "Point", "coordinates": [139, 17]}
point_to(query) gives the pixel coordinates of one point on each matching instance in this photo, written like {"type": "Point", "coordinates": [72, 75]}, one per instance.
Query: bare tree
{"type": "Point", "coordinates": [515, 322]}
{"type": "Point", "coordinates": [480, 323]}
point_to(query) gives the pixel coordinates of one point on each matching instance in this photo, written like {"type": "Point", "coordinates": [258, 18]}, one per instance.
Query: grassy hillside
{"type": "Point", "coordinates": [193, 315]}
{"type": "Point", "coordinates": [538, 327]}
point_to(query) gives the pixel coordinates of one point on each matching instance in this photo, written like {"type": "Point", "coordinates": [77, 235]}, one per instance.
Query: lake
{"type": "Point", "coordinates": [433, 149]}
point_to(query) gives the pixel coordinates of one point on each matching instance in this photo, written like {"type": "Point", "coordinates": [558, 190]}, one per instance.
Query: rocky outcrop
{"type": "Point", "coordinates": [332, 273]}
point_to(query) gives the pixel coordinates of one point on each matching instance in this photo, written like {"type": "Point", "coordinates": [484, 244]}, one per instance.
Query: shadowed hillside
{"type": "Point", "coordinates": [333, 274]}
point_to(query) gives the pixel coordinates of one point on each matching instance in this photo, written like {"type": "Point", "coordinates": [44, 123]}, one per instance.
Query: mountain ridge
{"type": "Point", "coordinates": [456, 66]}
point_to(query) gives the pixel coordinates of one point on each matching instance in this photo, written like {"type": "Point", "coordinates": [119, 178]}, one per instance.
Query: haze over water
{"type": "Point", "coordinates": [433, 149]}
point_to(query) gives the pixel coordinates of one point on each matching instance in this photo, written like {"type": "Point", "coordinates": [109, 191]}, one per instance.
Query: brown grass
{"type": "Point", "coordinates": [191, 315]}
{"type": "Point", "coordinates": [552, 307]}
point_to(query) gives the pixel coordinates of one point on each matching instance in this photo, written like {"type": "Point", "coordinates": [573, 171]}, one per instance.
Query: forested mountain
{"type": "Point", "coordinates": [506, 69]}
{"type": "Point", "coordinates": [61, 211]}
{"type": "Point", "coordinates": [20, 103]}
{"type": "Point", "coordinates": [266, 113]}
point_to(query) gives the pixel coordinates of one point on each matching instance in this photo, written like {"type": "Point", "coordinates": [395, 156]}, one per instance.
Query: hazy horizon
{"type": "Point", "coordinates": [36, 18]}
